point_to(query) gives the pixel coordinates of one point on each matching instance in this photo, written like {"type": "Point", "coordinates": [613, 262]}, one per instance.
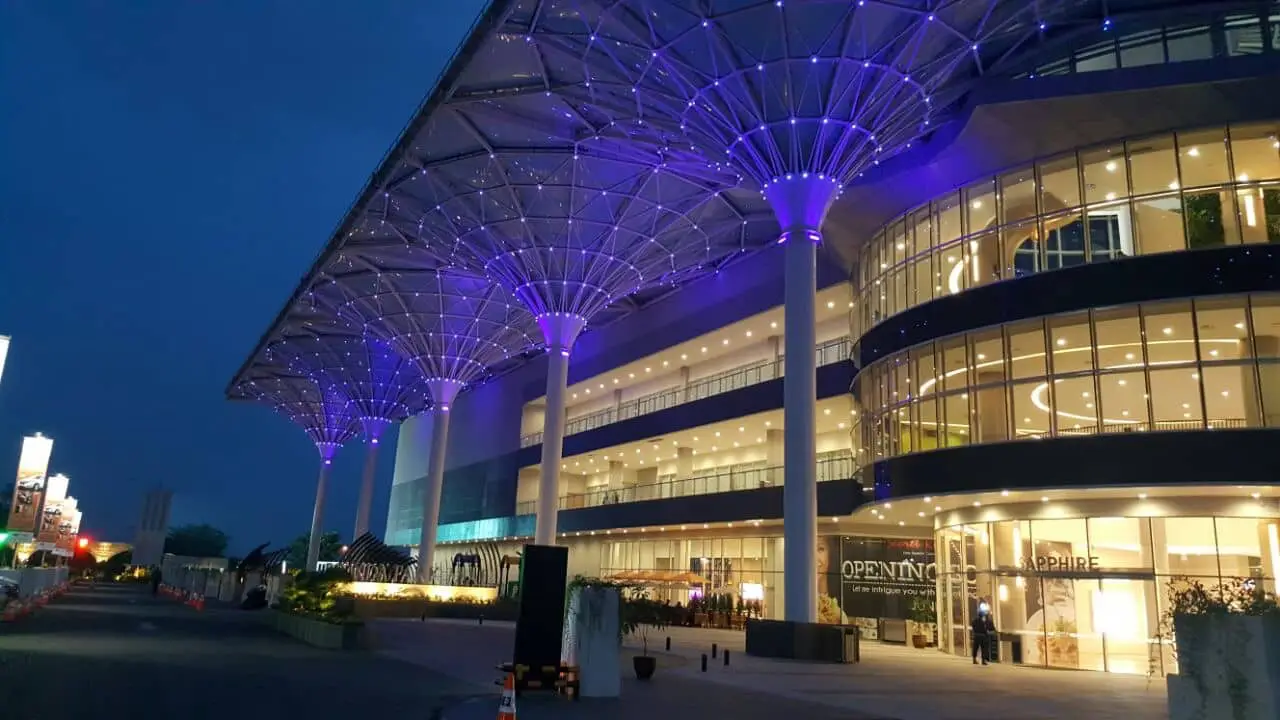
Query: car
{"type": "Point", "coordinates": [31, 483]}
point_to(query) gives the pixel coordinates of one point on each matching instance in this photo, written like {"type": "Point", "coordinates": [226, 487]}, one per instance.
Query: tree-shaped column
{"type": "Point", "coordinates": [323, 412]}
{"type": "Point", "coordinates": [800, 97]}
{"type": "Point", "coordinates": [569, 232]}
{"type": "Point", "coordinates": [384, 387]}
{"type": "Point", "coordinates": [453, 327]}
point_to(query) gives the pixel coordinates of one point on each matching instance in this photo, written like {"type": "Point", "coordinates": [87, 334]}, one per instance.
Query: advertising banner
{"type": "Point", "coordinates": [29, 488]}
{"type": "Point", "coordinates": [863, 579]}
{"type": "Point", "coordinates": [68, 526]}
{"type": "Point", "coordinates": [4, 352]}
{"type": "Point", "coordinates": [55, 506]}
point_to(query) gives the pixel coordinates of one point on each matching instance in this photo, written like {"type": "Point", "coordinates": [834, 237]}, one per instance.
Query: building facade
{"type": "Point", "coordinates": [1048, 349]}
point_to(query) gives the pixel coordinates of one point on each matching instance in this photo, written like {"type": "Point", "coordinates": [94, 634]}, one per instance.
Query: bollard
{"type": "Point", "coordinates": [704, 662]}
{"type": "Point", "coordinates": [668, 643]}
{"type": "Point", "coordinates": [726, 657]}
{"type": "Point", "coordinates": [481, 619]}
{"type": "Point", "coordinates": [713, 650]}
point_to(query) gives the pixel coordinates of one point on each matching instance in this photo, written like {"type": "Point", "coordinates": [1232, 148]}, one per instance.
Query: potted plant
{"type": "Point", "coordinates": [924, 616]}
{"type": "Point", "coordinates": [640, 615]}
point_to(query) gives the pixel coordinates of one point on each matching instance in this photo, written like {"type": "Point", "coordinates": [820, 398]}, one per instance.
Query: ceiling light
{"type": "Point", "coordinates": [1044, 499]}
{"type": "Point", "coordinates": [646, 369]}
{"type": "Point", "coordinates": [704, 349]}
{"type": "Point", "coordinates": [920, 514]}
{"type": "Point", "coordinates": [615, 381]}
{"type": "Point", "coordinates": [1239, 326]}
{"type": "Point", "coordinates": [631, 376]}
{"type": "Point", "coordinates": [1167, 331]}
{"type": "Point", "coordinates": [773, 325]}
{"type": "Point", "coordinates": [717, 433]}
{"type": "Point", "coordinates": [741, 429]}
{"type": "Point", "coordinates": [1004, 493]}
{"type": "Point", "coordinates": [1110, 166]}
{"type": "Point", "coordinates": [928, 498]}
{"type": "Point", "coordinates": [575, 396]}
{"type": "Point", "coordinates": [1142, 496]}
{"type": "Point", "coordinates": [1062, 342]}
{"type": "Point", "coordinates": [748, 333]}
{"type": "Point", "coordinates": [830, 304]}
{"type": "Point", "coordinates": [725, 341]}
{"type": "Point", "coordinates": [684, 356]}
{"type": "Point", "coordinates": [1193, 152]}
{"type": "Point", "coordinates": [900, 522]}
{"type": "Point", "coordinates": [767, 423]}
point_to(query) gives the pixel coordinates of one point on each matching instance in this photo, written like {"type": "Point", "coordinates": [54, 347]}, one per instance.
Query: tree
{"type": "Point", "coordinates": [196, 541]}
{"type": "Point", "coordinates": [117, 563]}
{"type": "Point", "coordinates": [83, 560]}
{"type": "Point", "coordinates": [330, 549]}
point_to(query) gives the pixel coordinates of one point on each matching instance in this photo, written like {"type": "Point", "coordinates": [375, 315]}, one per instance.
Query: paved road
{"type": "Point", "coordinates": [115, 653]}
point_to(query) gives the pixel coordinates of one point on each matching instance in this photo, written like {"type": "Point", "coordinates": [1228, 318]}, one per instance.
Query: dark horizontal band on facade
{"type": "Point", "coordinates": [1136, 459]}
{"type": "Point", "coordinates": [1220, 271]}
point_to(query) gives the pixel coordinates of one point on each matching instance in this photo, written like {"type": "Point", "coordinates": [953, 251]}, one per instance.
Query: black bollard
{"type": "Point", "coordinates": [713, 650]}
{"type": "Point", "coordinates": [726, 657]}
{"type": "Point", "coordinates": [704, 662]}
{"type": "Point", "coordinates": [668, 643]}
{"type": "Point", "coordinates": [482, 619]}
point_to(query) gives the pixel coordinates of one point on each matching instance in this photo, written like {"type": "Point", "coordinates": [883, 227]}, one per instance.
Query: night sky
{"type": "Point", "coordinates": [168, 171]}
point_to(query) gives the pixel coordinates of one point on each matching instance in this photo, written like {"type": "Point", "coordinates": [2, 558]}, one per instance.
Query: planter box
{"type": "Point", "coordinates": [1228, 668]}
{"type": "Point", "coordinates": [590, 641]}
{"type": "Point", "coordinates": [348, 636]}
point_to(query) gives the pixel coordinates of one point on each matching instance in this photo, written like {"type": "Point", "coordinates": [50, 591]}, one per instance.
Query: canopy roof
{"type": "Point", "coordinates": [328, 417]}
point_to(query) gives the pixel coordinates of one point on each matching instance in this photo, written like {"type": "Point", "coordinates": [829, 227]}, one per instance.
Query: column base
{"type": "Point", "coordinates": [814, 642]}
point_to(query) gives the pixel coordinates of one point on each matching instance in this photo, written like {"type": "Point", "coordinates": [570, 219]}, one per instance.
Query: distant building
{"type": "Point", "coordinates": [153, 527]}
{"type": "Point", "coordinates": [104, 550]}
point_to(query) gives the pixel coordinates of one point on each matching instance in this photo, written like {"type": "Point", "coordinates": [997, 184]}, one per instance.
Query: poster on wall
{"type": "Point", "coordinates": [1051, 609]}
{"type": "Point", "coordinates": [862, 580]}
{"type": "Point", "coordinates": [29, 487]}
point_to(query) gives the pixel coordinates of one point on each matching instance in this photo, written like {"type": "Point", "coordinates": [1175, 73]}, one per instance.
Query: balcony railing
{"type": "Point", "coordinates": [832, 351]}
{"type": "Point", "coordinates": [731, 480]}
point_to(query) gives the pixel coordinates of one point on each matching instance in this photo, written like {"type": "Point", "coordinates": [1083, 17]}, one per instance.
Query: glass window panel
{"type": "Point", "coordinates": [896, 243]}
{"type": "Point", "coordinates": [949, 219]}
{"type": "Point", "coordinates": [1255, 152]}
{"type": "Point", "coordinates": [1142, 49]}
{"type": "Point", "coordinates": [949, 263]}
{"type": "Point", "coordinates": [1058, 540]}
{"type": "Point", "coordinates": [1075, 406]}
{"type": "Point", "coordinates": [1203, 158]}
{"type": "Point", "coordinates": [1189, 44]}
{"type": "Point", "coordinates": [1096, 58]}
{"type": "Point", "coordinates": [1110, 232]}
{"type": "Point", "coordinates": [983, 258]}
{"type": "Point", "coordinates": [1152, 164]}
{"type": "Point", "coordinates": [1269, 391]}
{"type": "Point", "coordinates": [1119, 338]}
{"type": "Point", "coordinates": [1175, 399]}
{"type": "Point", "coordinates": [1027, 349]}
{"type": "Point", "coordinates": [988, 356]}
{"type": "Point", "coordinates": [1211, 219]}
{"type": "Point", "coordinates": [1018, 196]}
{"type": "Point", "coordinates": [926, 371]}
{"type": "Point", "coordinates": [1120, 543]}
{"type": "Point", "coordinates": [902, 386]}
{"type": "Point", "coordinates": [1124, 402]}
{"type": "Point", "coordinates": [990, 413]}
{"type": "Point", "coordinates": [1240, 552]}
{"type": "Point", "coordinates": [921, 225]}
{"type": "Point", "coordinates": [923, 282]}
{"type": "Point", "coordinates": [1190, 548]}
{"type": "Point", "coordinates": [1170, 339]}
{"type": "Point", "coordinates": [1030, 403]}
{"type": "Point", "coordinates": [930, 424]}
{"type": "Point", "coordinates": [1126, 615]}
{"type": "Point", "coordinates": [1072, 345]}
{"type": "Point", "coordinates": [1023, 251]}
{"type": "Point", "coordinates": [1258, 214]}
{"type": "Point", "coordinates": [1064, 241]}
{"type": "Point", "coordinates": [1221, 324]}
{"type": "Point", "coordinates": [980, 206]}
{"type": "Point", "coordinates": [1105, 174]}
{"type": "Point", "coordinates": [1158, 224]}
{"type": "Point", "coordinates": [1265, 311]}
{"type": "Point", "coordinates": [1226, 401]}
{"type": "Point", "coordinates": [957, 419]}
{"type": "Point", "coordinates": [1244, 36]}
{"type": "Point", "coordinates": [956, 364]}
{"type": "Point", "coordinates": [1059, 185]}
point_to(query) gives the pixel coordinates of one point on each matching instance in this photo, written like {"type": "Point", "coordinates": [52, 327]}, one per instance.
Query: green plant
{"type": "Point", "coordinates": [640, 614]}
{"type": "Point", "coordinates": [581, 582]}
{"type": "Point", "coordinates": [315, 594]}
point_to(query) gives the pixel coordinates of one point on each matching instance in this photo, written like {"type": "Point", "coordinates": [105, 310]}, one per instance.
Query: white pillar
{"type": "Point", "coordinates": [800, 451]}
{"type": "Point", "coordinates": [442, 393]}
{"type": "Point", "coordinates": [373, 429]}
{"type": "Point", "coordinates": [327, 451]}
{"type": "Point", "coordinates": [800, 202]}
{"type": "Point", "coordinates": [560, 330]}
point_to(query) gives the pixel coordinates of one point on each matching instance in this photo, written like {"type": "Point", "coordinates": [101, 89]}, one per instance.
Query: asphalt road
{"type": "Point", "coordinates": [115, 652]}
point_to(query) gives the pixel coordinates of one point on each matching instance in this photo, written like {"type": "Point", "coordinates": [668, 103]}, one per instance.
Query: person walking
{"type": "Point", "coordinates": [984, 629]}
{"type": "Point", "coordinates": [156, 578]}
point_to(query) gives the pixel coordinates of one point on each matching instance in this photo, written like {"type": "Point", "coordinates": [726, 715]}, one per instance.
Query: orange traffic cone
{"type": "Point", "coordinates": [10, 612]}
{"type": "Point", "coordinates": [507, 707]}
{"type": "Point", "coordinates": [199, 603]}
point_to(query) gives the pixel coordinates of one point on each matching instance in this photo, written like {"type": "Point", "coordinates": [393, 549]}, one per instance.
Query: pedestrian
{"type": "Point", "coordinates": [156, 577]}
{"type": "Point", "coordinates": [984, 629]}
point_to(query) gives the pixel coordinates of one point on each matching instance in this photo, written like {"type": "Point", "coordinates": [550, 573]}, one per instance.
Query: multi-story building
{"type": "Point", "coordinates": [1048, 349]}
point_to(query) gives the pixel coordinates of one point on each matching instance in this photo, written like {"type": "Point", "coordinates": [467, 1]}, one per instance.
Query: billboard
{"type": "Point", "coordinates": [29, 488]}
{"type": "Point", "coordinates": [864, 579]}
{"type": "Point", "coordinates": [68, 528]}
{"type": "Point", "coordinates": [55, 507]}
{"type": "Point", "coordinates": [4, 352]}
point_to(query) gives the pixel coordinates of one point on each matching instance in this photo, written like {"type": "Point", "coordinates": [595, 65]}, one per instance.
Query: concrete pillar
{"type": "Point", "coordinates": [373, 429]}
{"type": "Point", "coordinates": [774, 445]}
{"type": "Point", "coordinates": [684, 463]}
{"type": "Point", "coordinates": [993, 411]}
{"type": "Point", "coordinates": [560, 330]}
{"type": "Point", "coordinates": [616, 474]}
{"type": "Point", "coordinates": [617, 405]}
{"type": "Point", "coordinates": [327, 451]}
{"type": "Point", "coordinates": [1269, 541]}
{"type": "Point", "coordinates": [684, 384]}
{"type": "Point", "coordinates": [443, 392]}
{"type": "Point", "coordinates": [1262, 403]}
{"type": "Point", "coordinates": [774, 344]}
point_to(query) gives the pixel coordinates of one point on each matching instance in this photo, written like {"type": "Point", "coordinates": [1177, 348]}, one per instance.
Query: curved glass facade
{"type": "Point", "coordinates": [1207, 363]}
{"type": "Point", "coordinates": [1088, 593]}
{"type": "Point", "coordinates": [1167, 193]}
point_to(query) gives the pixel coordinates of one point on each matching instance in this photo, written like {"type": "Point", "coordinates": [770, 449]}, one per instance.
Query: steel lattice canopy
{"type": "Point", "coordinates": [450, 324]}
{"type": "Point", "coordinates": [384, 387]}
{"type": "Point", "coordinates": [328, 417]}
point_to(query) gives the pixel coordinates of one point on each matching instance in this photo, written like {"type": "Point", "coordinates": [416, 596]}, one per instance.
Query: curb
{"type": "Point", "coordinates": [450, 707]}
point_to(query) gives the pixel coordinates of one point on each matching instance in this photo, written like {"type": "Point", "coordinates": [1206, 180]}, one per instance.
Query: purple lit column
{"type": "Point", "coordinates": [800, 203]}
{"type": "Point", "coordinates": [327, 451]}
{"type": "Point", "coordinates": [560, 330]}
{"type": "Point", "coordinates": [443, 392]}
{"type": "Point", "coordinates": [373, 429]}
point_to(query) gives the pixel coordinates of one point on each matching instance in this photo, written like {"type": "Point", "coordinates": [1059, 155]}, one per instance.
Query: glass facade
{"type": "Point", "coordinates": [1089, 593]}
{"type": "Point", "coordinates": [1207, 363]}
{"type": "Point", "coordinates": [1142, 196]}
{"type": "Point", "coordinates": [742, 567]}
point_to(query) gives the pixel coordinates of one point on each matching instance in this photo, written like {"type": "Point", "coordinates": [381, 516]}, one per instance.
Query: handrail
{"type": "Point", "coordinates": [829, 352]}
{"type": "Point", "coordinates": [734, 479]}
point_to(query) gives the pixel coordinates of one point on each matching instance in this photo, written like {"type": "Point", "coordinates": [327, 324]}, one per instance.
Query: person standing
{"type": "Point", "coordinates": [984, 629]}
{"type": "Point", "coordinates": [156, 578]}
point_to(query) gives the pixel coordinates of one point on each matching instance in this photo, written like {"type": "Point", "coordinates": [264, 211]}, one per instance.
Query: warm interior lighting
{"type": "Point", "coordinates": [438, 593]}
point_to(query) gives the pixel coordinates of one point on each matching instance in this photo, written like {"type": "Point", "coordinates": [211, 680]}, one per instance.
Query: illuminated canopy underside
{"type": "Point", "coordinates": [326, 415]}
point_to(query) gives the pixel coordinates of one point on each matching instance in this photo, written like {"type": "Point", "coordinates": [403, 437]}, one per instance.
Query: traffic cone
{"type": "Point", "coordinates": [507, 707]}
{"type": "Point", "coordinates": [199, 603]}
{"type": "Point", "coordinates": [10, 612]}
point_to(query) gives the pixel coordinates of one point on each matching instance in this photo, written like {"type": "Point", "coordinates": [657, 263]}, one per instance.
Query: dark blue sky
{"type": "Point", "coordinates": [168, 171]}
